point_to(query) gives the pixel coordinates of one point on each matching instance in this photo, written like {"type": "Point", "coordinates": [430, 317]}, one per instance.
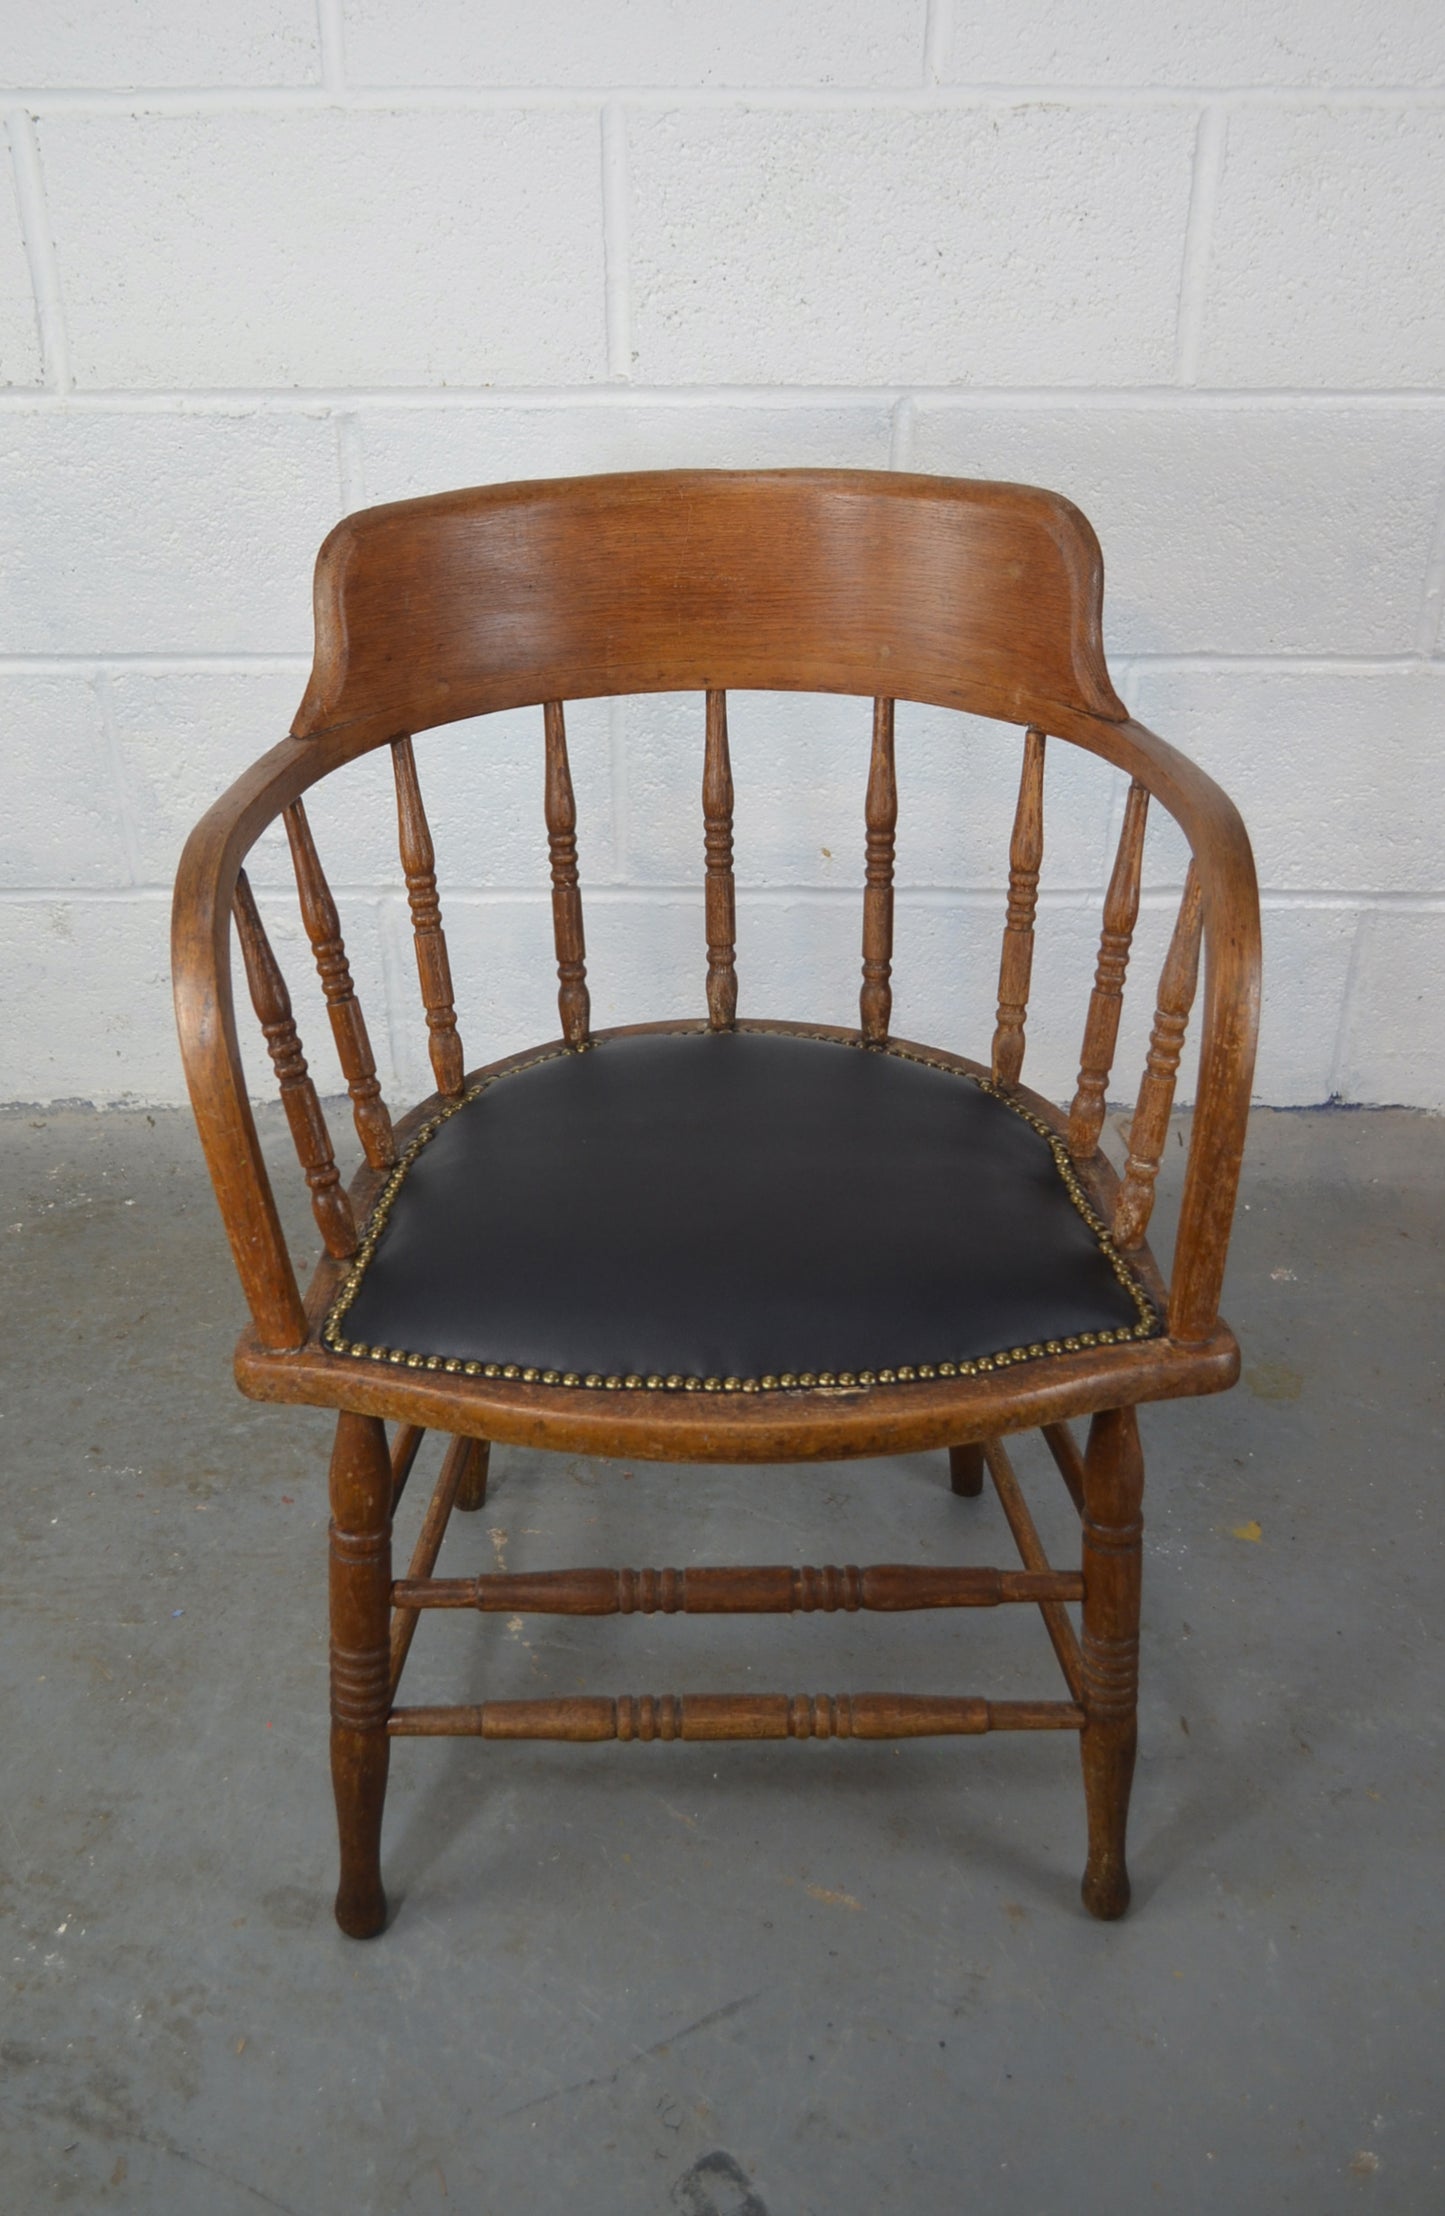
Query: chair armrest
{"type": "Point", "coordinates": [210, 1051]}
{"type": "Point", "coordinates": [1230, 1021]}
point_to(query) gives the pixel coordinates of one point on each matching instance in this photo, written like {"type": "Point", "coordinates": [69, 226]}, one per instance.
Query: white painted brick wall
{"type": "Point", "coordinates": [266, 262]}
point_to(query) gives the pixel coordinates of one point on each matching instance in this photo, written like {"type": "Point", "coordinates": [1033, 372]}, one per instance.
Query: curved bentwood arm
{"type": "Point", "coordinates": [206, 1019]}
{"type": "Point", "coordinates": [201, 941]}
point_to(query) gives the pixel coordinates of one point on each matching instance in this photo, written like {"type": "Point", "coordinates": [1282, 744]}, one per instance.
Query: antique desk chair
{"type": "Point", "coordinates": [721, 1240]}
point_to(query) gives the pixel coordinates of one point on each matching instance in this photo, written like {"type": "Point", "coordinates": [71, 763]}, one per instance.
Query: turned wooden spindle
{"type": "Point", "coordinates": [1101, 1030]}
{"type": "Point", "coordinates": [418, 861]}
{"type": "Point", "coordinates": [880, 815]}
{"type": "Point", "coordinates": [348, 1025]}
{"type": "Point", "coordinates": [433, 965]}
{"type": "Point", "coordinates": [573, 1001]}
{"type": "Point", "coordinates": [776, 1590]}
{"type": "Point", "coordinates": [1150, 1127]}
{"type": "Point", "coordinates": [719, 894]}
{"type": "Point", "coordinates": [670, 1716]}
{"type": "Point", "coordinates": [272, 1003]}
{"type": "Point", "coordinates": [1026, 852]}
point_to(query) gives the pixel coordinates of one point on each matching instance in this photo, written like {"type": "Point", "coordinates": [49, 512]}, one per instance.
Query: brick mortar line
{"type": "Point", "coordinates": [143, 100]}
{"type": "Point", "coordinates": [246, 401]}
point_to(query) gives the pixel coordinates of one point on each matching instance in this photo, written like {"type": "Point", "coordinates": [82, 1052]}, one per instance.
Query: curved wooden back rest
{"type": "Point", "coordinates": [977, 596]}
{"type": "Point", "coordinates": [980, 597]}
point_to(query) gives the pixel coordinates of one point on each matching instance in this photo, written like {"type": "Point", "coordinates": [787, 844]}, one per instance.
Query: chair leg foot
{"type": "Point", "coordinates": [359, 1763]}
{"type": "Point", "coordinates": [965, 1470]}
{"type": "Point", "coordinates": [472, 1489]}
{"type": "Point", "coordinates": [361, 1492]}
{"type": "Point", "coordinates": [1113, 1535]}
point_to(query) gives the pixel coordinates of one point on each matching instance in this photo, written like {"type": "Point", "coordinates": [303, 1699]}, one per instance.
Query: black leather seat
{"type": "Point", "coordinates": [733, 1211]}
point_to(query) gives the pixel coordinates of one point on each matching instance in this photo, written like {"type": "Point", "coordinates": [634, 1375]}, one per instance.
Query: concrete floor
{"type": "Point", "coordinates": [777, 1981]}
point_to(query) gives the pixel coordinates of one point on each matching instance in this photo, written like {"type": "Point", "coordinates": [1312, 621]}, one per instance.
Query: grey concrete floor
{"type": "Point", "coordinates": [768, 1981]}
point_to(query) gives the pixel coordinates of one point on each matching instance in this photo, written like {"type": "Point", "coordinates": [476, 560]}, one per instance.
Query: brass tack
{"type": "Point", "coordinates": [451, 1363]}
{"type": "Point", "coordinates": [769, 1384]}
{"type": "Point", "coordinates": [632, 1383]}
{"type": "Point", "coordinates": [712, 1384]}
{"type": "Point", "coordinates": [473, 1368]}
{"type": "Point", "coordinates": [570, 1377]}
{"type": "Point", "coordinates": [509, 1369]}
{"type": "Point", "coordinates": [905, 1376]}
{"type": "Point", "coordinates": [886, 1377]}
{"type": "Point", "coordinates": [750, 1385]}
{"type": "Point", "coordinates": [549, 1377]}
{"type": "Point", "coordinates": [806, 1377]}
{"type": "Point", "coordinates": [926, 1369]}
{"type": "Point", "coordinates": [674, 1383]}
{"type": "Point", "coordinates": [413, 1361]}
{"type": "Point", "coordinates": [867, 1377]}
{"type": "Point", "coordinates": [826, 1377]}
{"type": "Point", "coordinates": [433, 1361]}
{"type": "Point", "coordinates": [529, 1377]}
{"type": "Point", "coordinates": [592, 1378]}
{"type": "Point", "coordinates": [654, 1384]}
{"type": "Point", "coordinates": [846, 1377]}
{"type": "Point", "coordinates": [613, 1384]}
{"type": "Point", "coordinates": [492, 1370]}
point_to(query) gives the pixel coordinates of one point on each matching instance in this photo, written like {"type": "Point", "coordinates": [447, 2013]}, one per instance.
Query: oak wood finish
{"type": "Point", "coordinates": [272, 1002]}
{"type": "Point", "coordinates": [455, 1464]}
{"type": "Point", "coordinates": [472, 1484]}
{"type": "Point", "coordinates": [965, 1470]}
{"type": "Point", "coordinates": [719, 897]}
{"type": "Point", "coordinates": [404, 1450]}
{"type": "Point", "coordinates": [361, 1495]}
{"type": "Point", "coordinates": [1031, 1552]}
{"type": "Point", "coordinates": [1113, 1538]}
{"type": "Point", "coordinates": [1101, 1031]}
{"type": "Point", "coordinates": [776, 1591]}
{"type": "Point", "coordinates": [348, 1025]}
{"type": "Point", "coordinates": [881, 585]}
{"type": "Point", "coordinates": [1026, 853]}
{"type": "Point", "coordinates": [880, 812]}
{"type": "Point", "coordinates": [419, 866]}
{"type": "Point", "coordinates": [573, 1004]}
{"type": "Point", "coordinates": [737, 1716]}
{"type": "Point", "coordinates": [1150, 1127]}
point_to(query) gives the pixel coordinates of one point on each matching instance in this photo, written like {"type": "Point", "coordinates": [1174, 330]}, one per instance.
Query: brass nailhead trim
{"type": "Point", "coordinates": [1146, 1327]}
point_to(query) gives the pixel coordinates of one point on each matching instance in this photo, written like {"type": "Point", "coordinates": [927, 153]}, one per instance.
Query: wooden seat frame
{"type": "Point", "coordinates": [978, 597]}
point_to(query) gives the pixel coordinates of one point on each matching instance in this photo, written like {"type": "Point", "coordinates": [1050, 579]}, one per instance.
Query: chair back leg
{"type": "Point", "coordinates": [361, 1501]}
{"type": "Point", "coordinates": [1113, 1534]}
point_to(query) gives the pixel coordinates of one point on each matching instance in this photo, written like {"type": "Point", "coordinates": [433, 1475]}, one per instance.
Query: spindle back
{"type": "Point", "coordinates": [980, 597]}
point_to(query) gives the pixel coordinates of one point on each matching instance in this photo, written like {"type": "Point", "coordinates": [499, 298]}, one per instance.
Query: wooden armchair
{"type": "Point", "coordinates": [725, 1241]}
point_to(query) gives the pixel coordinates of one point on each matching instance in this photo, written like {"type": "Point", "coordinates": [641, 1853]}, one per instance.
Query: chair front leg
{"type": "Point", "coordinates": [361, 1494]}
{"type": "Point", "coordinates": [1113, 1531]}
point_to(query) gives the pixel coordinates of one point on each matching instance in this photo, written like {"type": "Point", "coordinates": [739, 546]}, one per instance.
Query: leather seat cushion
{"type": "Point", "coordinates": [739, 1210]}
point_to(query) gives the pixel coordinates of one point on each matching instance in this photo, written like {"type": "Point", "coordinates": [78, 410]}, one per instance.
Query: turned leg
{"type": "Point", "coordinates": [1113, 1528]}
{"type": "Point", "coordinates": [361, 1490]}
{"type": "Point", "coordinates": [965, 1470]}
{"type": "Point", "coordinates": [472, 1484]}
